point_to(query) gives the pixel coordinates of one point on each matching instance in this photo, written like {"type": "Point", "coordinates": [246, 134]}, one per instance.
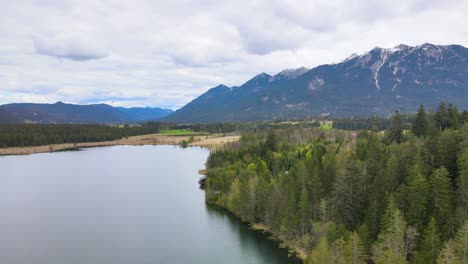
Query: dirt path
{"type": "Point", "coordinates": [211, 142]}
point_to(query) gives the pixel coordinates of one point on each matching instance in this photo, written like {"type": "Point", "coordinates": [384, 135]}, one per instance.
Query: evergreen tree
{"type": "Point", "coordinates": [322, 253]}
{"type": "Point", "coordinates": [430, 245]}
{"type": "Point", "coordinates": [448, 256]}
{"type": "Point", "coordinates": [271, 141]}
{"type": "Point", "coordinates": [460, 243]}
{"type": "Point", "coordinates": [441, 117]}
{"type": "Point", "coordinates": [462, 183]}
{"type": "Point", "coordinates": [395, 133]}
{"type": "Point", "coordinates": [348, 195]}
{"type": "Point", "coordinates": [453, 117]}
{"type": "Point", "coordinates": [442, 196]}
{"type": "Point", "coordinates": [353, 250]}
{"type": "Point", "coordinates": [418, 194]}
{"type": "Point", "coordinates": [421, 124]}
{"type": "Point", "coordinates": [390, 245]}
{"type": "Point", "coordinates": [464, 117]}
{"type": "Point", "coordinates": [304, 211]}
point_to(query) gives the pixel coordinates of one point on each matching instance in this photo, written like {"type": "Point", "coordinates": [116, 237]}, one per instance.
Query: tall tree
{"type": "Point", "coordinates": [418, 194]}
{"type": "Point", "coordinates": [322, 253]}
{"type": "Point", "coordinates": [462, 183]}
{"type": "Point", "coordinates": [421, 124]}
{"type": "Point", "coordinates": [390, 245]}
{"type": "Point", "coordinates": [453, 117]}
{"type": "Point", "coordinates": [348, 195]}
{"type": "Point", "coordinates": [442, 201]}
{"type": "Point", "coordinates": [271, 142]}
{"type": "Point", "coordinates": [441, 117]}
{"type": "Point", "coordinates": [353, 250]}
{"type": "Point", "coordinates": [448, 256]}
{"type": "Point", "coordinates": [395, 133]}
{"type": "Point", "coordinates": [460, 243]}
{"type": "Point", "coordinates": [430, 245]}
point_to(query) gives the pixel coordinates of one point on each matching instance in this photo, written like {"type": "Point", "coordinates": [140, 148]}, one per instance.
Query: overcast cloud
{"type": "Point", "coordinates": [165, 53]}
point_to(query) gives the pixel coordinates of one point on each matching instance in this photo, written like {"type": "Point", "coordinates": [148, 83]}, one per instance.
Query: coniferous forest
{"type": "Point", "coordinates": [334, 196]}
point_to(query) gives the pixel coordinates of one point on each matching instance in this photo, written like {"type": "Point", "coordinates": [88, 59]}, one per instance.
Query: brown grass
{"type": "Point", "coordinates": [211, 142]}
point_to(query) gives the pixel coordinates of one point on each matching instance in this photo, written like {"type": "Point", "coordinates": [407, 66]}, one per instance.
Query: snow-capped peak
{"type": "Point", "coordinates": [291, 73]}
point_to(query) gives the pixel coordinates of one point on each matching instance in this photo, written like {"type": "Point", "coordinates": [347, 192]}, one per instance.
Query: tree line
{"type": "Point", "coordinates": [398, 196]}
{"type": "Point", "coordinates": [46, 134]}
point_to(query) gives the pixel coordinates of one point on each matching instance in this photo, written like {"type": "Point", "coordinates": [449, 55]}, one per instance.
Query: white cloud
{"type": "Point", "coordinates": [165, 53]}
{"type": "Point", "coordinates": [73, 48]}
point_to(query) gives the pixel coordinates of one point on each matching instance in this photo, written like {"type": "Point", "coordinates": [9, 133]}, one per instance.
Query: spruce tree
{"type": "Point", "coordinates": [442, 201]}
{"type": "Point", "coordinates": [353, 250]}
{"type": "Point", "coordinates": [421, 124]}
{"type": "Point", "coordinates": [453, 117]}
{"type": "Point", "coordinates": [390, 245]}
{"type": "Point", "coordinates": [395, 133]}
{"type": "Point", "coordinates": [448, 256]}
{"type": "Point", "coordinates": [441, 117]}
{"type": "Point", "coordinates": [430, 245]}
{"type": "Point", "coordinates": [418, 194]}
{"type": "Point", "coordinates": [462, 182]}
{"type": "Point", "coordinates": [460, 243]}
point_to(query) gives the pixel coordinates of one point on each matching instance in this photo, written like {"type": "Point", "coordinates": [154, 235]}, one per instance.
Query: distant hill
{"type": "Point", "coordinates": [377, 82]}
{"type": "Point", "coordinates": [70, 113]}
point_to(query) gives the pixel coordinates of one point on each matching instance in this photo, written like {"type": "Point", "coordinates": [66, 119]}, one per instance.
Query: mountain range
{"type": "Point", "coordinates": [70, 113]}
{"type": "Point", "coordinates": [377, 82]}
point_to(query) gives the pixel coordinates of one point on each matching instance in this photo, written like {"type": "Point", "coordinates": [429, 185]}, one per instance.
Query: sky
{"type": "Point", "coordinates": [166, 53]}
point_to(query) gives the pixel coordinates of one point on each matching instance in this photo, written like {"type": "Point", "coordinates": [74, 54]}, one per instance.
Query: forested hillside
{"type": "Point", "coordinates": [399, 196]}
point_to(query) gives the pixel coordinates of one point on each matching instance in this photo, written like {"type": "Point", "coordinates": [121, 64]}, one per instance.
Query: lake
{"type": "Point", "coordinates": [123, 204]}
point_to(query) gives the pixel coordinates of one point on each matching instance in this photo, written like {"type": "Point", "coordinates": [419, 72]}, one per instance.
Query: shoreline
{"type": "Point", "coordinates": [295, 251]}
{"type": "Point", "coordinates": [211, 142]}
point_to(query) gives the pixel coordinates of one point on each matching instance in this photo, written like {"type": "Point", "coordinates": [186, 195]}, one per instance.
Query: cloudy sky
{"type": "Point", "coordinates": [165, 53]}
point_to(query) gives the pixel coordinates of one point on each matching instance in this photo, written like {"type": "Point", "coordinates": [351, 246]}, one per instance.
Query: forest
{"type": "Point", "coordinates": [368, 196]}
{"type": "Point", "coordinates": [46, 134]}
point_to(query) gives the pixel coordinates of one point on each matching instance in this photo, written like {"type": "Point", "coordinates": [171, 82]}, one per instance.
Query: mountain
{"type": "Point", "coordinates": [70, 113]}
{"type": "Point", "coordinates": [377, 82]}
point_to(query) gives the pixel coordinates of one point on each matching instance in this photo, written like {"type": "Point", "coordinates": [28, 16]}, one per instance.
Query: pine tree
{"type": "Point", "coordinates": [395, 133]}
{"type": "Point", "coordinates": [421, 124]}
{"type": "Point", "coordinates": [462, 182]}
{"type": "Point", "coordinates": [430, 245]}
{"type": "Point", "coordinates": [441, 117]}
{"type": "Point", "coordinates": [304, 210]}
{"type": "Point", "coordinates": [417, 195]}
{"type": "Point", "coordinates": [460, 243]}
{"type": "Point", "coordinates": [390, 245]}
{"type": "Point", "coordinates": [353, 250]}
{"type": "Point", "coordinates": [348, 195]}
{"type": "Point", "coordinates": [442, 197]}
{"type": "Point", "coordinates": [453, 117]}
{"type": "Point", "coordinates": [448, 256]}
{"type": "Point", "coordinates": [322, 253]}
{"type": "Point", "coordinates": [271, 142]}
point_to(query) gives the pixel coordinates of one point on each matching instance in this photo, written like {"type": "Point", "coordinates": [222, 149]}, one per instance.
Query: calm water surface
{"type": "Point", "coordinates": [112, 205]}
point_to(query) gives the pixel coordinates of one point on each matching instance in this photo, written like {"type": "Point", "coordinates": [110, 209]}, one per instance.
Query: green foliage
{"type": "Point", "coordinates": [350, 199]}
{"type": "Point", "coordinates": [430, 245]}
{"type": "Point", "coordinates": [442, 201]}
{"type": "Point", "coordinates": [41, 134]}
{"type": "Point", "coordinates": [395, 133]}
{"type": "Point", "coordinates": [390, 245]}
{"type": "Point", "coordinates": [421, 124]}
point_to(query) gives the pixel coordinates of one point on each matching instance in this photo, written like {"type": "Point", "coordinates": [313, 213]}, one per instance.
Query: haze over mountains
{"type": "Point", "coordinates": [375, 83]}
{"type": "Point", "coordinates": [70, 113]}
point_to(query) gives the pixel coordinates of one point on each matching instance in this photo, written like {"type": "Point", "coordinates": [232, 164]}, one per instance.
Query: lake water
{"type": "Point", "coordinates": [124, 204]}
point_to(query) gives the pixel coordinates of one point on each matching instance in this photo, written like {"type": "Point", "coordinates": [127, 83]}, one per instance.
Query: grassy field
{"type": "Point", "coordinates": [181, 132]}
{"type": "Point", "coordinates": [326, 125]}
